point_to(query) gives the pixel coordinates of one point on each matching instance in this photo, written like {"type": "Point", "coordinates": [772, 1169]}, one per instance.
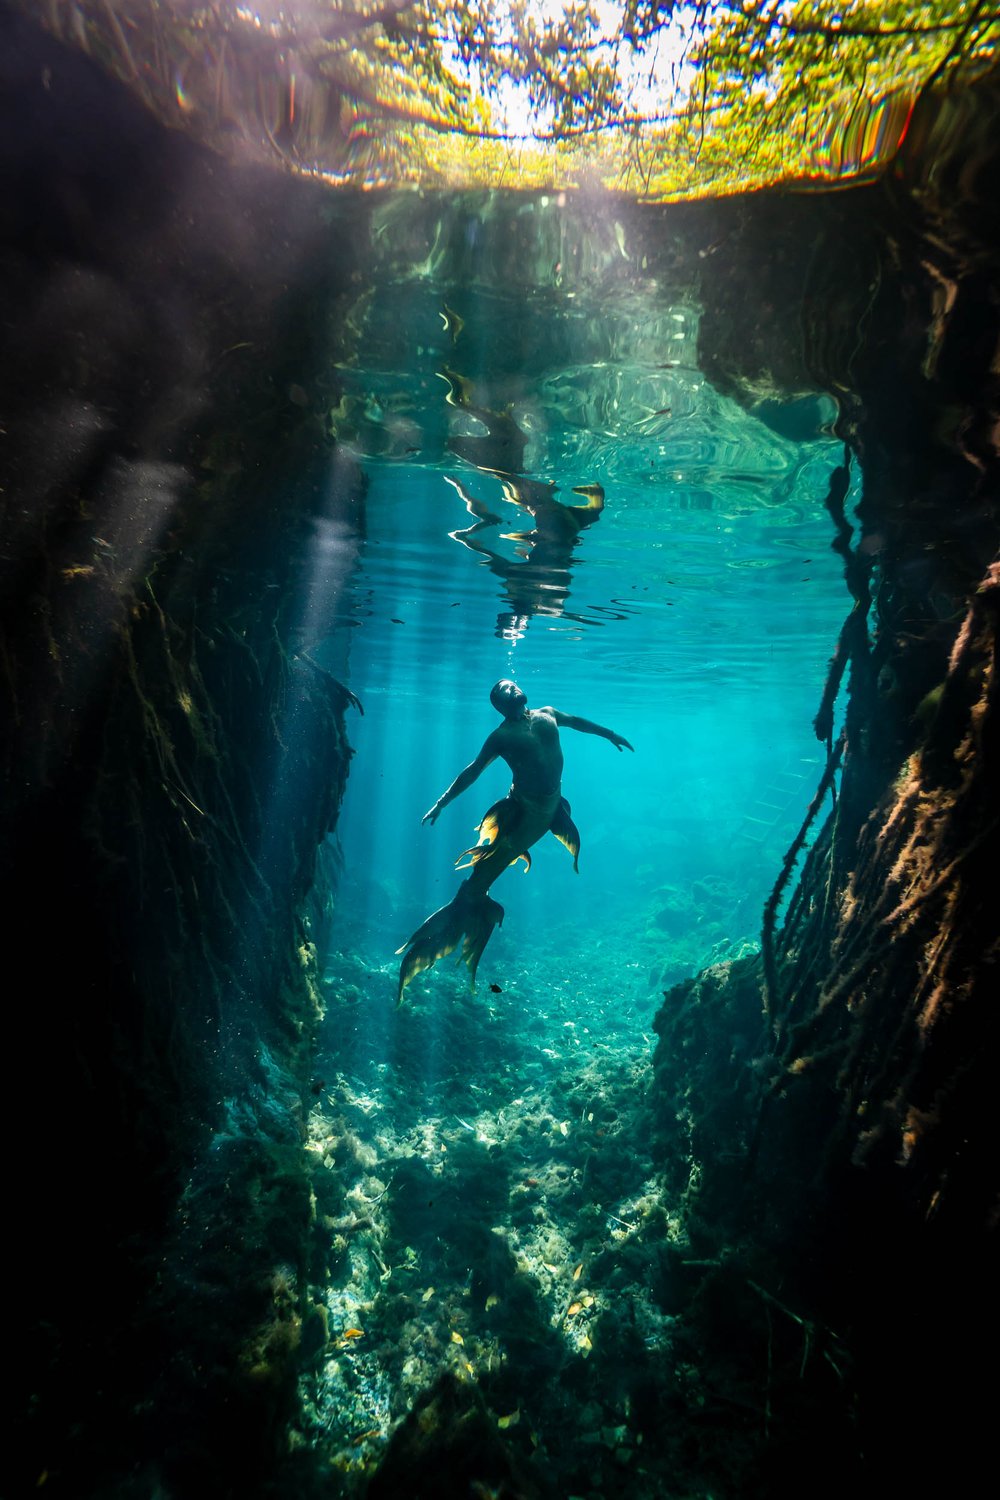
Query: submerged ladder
{"type": "Point", "coordinates": [791, 789]}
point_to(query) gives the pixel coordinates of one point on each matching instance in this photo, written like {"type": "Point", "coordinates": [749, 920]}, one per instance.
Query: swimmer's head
{"type": "Point", "coordinates": [508, 699]}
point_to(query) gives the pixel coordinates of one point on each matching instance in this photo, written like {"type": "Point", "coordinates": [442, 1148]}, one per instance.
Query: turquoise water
{"type": "Point", "coordinates": [496, 1207]}
{"type": "Point", "coordinates": [695, 617]}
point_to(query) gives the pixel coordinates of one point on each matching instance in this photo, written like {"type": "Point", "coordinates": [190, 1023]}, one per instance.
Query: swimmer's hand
{"type": "Point", "coordinates": [431, 816]}
{"type": "Point", "coordinates": [620, 743]}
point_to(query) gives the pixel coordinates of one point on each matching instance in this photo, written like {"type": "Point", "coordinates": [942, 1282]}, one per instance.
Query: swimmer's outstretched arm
{"type": "Point", "coordinates": [587, 726]}
{"type": "Point", "coordinates": [463, 780]}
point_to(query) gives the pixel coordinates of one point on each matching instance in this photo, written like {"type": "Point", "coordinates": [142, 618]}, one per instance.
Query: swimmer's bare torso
{"type": "Point", "coordinates": [531, 748]}
{"type": "Point", "coordinates": [528, 740]}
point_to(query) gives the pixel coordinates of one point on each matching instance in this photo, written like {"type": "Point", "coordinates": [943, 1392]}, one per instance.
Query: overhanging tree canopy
{"type": "Point", "coordinates": [652, 97]}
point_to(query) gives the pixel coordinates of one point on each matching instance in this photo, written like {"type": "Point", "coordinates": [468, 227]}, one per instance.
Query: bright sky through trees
{"type": "Point", "coordinates": [656, 98]}
{"type": "Point", "coordinates": [653, 77]}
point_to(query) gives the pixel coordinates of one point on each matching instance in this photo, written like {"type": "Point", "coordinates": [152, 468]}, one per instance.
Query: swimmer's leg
{"type": "Point", "coordinates": [469, 919]}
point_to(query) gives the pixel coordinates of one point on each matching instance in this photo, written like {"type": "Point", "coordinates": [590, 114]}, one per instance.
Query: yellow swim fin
{"type": "Point", "coordinates": [468, 919]}
{"type": "Point", "coordinates": [594, 494]}
{"type": "Point", "coordinates": [566, 831]}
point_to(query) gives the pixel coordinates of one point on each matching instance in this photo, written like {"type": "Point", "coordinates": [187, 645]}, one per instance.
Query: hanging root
{"type": "Point", "coordinates": [772, 992]}
{"type": "Point", "coordinates": [898, 1007]}
{"type": "Point", "coordinates": [852, 643]}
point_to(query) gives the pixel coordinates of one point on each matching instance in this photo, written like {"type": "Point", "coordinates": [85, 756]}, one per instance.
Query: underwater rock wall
{"type": "Point", "coordinates": [171, 761]}
{"type": "Point", "coordinates": [825, 1110]}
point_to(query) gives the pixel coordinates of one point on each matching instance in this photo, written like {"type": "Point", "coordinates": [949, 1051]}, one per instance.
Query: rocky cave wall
{"type": "Point", "coordinates": [171, 762]}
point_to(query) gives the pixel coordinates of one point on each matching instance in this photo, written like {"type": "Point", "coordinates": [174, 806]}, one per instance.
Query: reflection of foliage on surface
{"type": "Point", "coordinates": [667, 100]}
{"type": "Point", "coordinates": [824, 91]}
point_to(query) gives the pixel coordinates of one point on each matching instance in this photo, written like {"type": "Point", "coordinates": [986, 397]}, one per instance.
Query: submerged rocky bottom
{"type": "Point", "coordinates": [507, 1298]}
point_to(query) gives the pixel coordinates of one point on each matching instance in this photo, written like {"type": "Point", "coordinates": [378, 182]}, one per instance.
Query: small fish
{"type": "Point", "coordinates": [492, 1301]}
{"type": "Point", "coordinates": [456, 1338]}
{"type": "Point", "coordinates": [394, 621]}
{"type": "Point", "coordinates": [495, 989]}
{"type": "Point", "coordinates": [511, 1420]}
{"type": "Point", "coordinates": [453, 323]}
{"type": "Point", "coordinates": [711, 249]}
{"type": "Point", "coordinates": [577, 1271]}
{"type": "Point", "coordinates": [354, 1333]}
{"type": "Point", "coordinates": [573, 1309]}
{"type": "Point", "coordinates": [428, 1294]}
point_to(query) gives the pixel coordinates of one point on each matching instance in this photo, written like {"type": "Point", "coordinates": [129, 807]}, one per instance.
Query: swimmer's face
{"type": "Point", "coordinates": [508, 699]}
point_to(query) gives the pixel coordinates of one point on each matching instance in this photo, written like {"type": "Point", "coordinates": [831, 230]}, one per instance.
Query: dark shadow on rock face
{"type": "Point", "coordinates": [448, 1448]}
{"type": "Point", "coordinates": [170, 766]}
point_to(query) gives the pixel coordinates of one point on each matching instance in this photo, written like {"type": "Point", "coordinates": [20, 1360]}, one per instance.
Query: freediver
{"type": "Point", "coordinates": [528, 740]}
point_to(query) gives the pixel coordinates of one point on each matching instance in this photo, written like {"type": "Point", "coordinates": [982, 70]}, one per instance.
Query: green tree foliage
{"type": "Point", "coordinates": [653, 97]}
